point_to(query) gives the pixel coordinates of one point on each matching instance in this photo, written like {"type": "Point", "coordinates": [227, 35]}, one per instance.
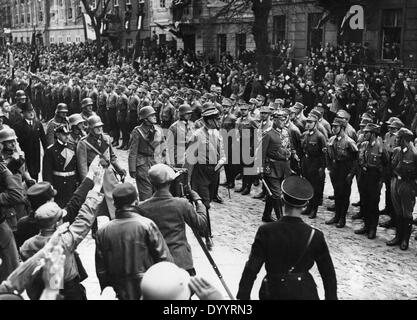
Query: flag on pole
{"type": "Point", "coordinates": [345, 21]}
{"type": "Point", "coordinates": [34, 64]}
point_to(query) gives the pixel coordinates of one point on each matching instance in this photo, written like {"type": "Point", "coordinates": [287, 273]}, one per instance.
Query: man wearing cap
{"type": "Point", "coordinates": [112, 113]}
{"type": "Point", "coordinates": [205, 153]}
{"type": "Point", "coordinates": [132, 107]}
{"type": "Point", "coordinates": [128, 246]}
{"type": "Point", "coordinates": [172, 214]}
{"type": "Point", "coordinates": [342, 154]}
{"type": "Point", "coordinates": [60, 166]}
{"type": "Point", "coordinates": [102, 97]}
{"type": "Point", "coordinates": [76, 96]}
{"type": "Point", "coordinates": [179, 134]}
{"type": "Point", "coordinates": [349, 130]}
{"type": "Point", "coordinates": [246, 128]}
{"type": "Point", "coordinates": [87, 109]}
{"type": "Point", "coordinates": [274, 155]}
{"type": "Point", "coordinates": [295, 136]}
{"type": "Point", "coordinates": [390, 142]}
{"type": "Point", "coordinates": [156, 104]}
{"type": "Point", "coordinates": [296, 248]}
{"type": "Point", "coordinates": [49, 216]}
{"type": "Point", "coordinates": [30, 135]}
{"type": "Point", "coordinates": [403, 187]}
{"type": "Point", "coordinates": [122, 107]}
{"type": "Point", "coordinates": [147, 148]}
{"type": "Point", "coordinates": [167, 110]}
{"type": "Point", "coordinates": [372, 163]}
{"type": "Point", "coordinates": [59, 120]}
{"type": "Point", "coordinates": [299, 118]}
{"type": "Point", "coordinates": [313, 162]}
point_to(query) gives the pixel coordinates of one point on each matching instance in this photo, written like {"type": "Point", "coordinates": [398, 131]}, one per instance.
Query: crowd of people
{"type": "Point", "coordinates": [183, 117]}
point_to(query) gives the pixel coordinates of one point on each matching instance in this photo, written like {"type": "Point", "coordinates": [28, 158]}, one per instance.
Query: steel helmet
{"type": "Point", "coordinates": [62, 107]}
{"type": "Point", "coordinates": [94, 122]}
{"type": "Point", "coordinates": [146, 112]}
{"type": "Point", "coordinates": [75, 119]}
{"type": "Point", "coordinates": [7, 134]}
{"type": "Point", "coordinates": [165, 281]}
{"type": "Point", "coordinates": [20, 94]}
{"type": "Point", "coordinates": [86, 102]}
{"type": "Point", "coordinates": [185, 109]}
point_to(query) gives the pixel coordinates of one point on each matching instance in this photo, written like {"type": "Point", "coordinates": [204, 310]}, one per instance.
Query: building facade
{"type": "Point", "coordinates": [390, 29]}
{"type": "Point", "coordinates": [5, 21]}
{"type": "Point", "coordinates": [54, 21]}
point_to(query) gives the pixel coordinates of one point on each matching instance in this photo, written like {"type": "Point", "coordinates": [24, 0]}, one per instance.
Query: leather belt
{"type": "Point", "coordinates": [64, 174]}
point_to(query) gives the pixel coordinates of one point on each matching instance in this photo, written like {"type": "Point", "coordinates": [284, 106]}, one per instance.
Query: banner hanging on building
{"type": "Point", "coordinates": [91, 34]}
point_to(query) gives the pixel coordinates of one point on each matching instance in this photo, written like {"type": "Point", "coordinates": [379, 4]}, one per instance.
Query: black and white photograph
{"type": "Point", "coordinates": [215, 150]}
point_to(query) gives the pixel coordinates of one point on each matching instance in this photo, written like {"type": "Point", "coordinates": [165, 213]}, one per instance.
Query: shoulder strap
{"type": "Point", "coordinates": [304, 251]}
{"type": "Point", "coordinates": [146, 140]}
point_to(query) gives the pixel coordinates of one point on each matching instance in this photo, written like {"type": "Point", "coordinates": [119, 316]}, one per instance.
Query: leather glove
{"type": "Point", "coordinates": [261, 176]}
{"type": "Point", "coordinates": [122, 173]}
{"type": "Point", "coordinates": [133, 175]}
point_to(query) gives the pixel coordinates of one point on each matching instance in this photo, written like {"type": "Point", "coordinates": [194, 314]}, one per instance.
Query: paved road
{"type": "Point", "coordinates": [365, 269]}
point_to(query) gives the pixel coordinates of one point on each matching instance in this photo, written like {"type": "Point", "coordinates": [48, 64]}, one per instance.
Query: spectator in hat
{"type": "Point", "coordinates": [122, 241]}
{"type": "Point", "coordinates": [172, 214]}
{"type": "Point", "coordinates": [30, 135]}
{"type": "Point", "coordinates": [297, 246]}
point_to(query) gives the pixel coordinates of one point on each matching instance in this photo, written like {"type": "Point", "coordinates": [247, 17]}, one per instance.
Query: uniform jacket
{"type": "Point", "coordinates": [76, 99]}
{"type": "Point", "coordinates": [178, 136]}
{"type": "Point", "coordinates": [146, 145]}
{"type": "Point", "coordinates": [373, 156]}
{"type": "Point", "coordinates": [404, 162]}
{"type": "Point", "coordinates": [69, 240]}
{"type": "Point", "coordinates": [112, 100]}
{"type": "Point", "coordinates": [171, 215]}
{"type": "Point", "coordinates": [279, 245]}
{"type": "Point", "coordinates": [121, 106]}
{"type": "Point", "coordinates": [58, 158]}
{"type": "Point", "coordinates": [167, 114]}
{"type": "Point", "coordinates": [275, 151]}
{"type": "Point", "coordinates": [314, 144]}
{"type": "Point", "coordinates": [85, 155]}
{"type": "Point", "coordinates": [125, 249]}
{"type": "Point", "coordinates": [341, 148]}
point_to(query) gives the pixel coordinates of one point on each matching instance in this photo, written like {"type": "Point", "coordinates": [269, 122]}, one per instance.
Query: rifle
{"type": "Point", "coordinates": [207, 253]}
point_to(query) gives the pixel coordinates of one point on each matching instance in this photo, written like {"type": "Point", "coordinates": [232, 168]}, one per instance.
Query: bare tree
{"type": "Point", "coordinates": [97, 15]}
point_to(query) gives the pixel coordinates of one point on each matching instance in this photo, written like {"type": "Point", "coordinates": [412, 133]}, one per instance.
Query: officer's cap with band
{"type": "Point", "coordinates": [372, 127]}
{"type": "Point", "coordinates": [296, 191]}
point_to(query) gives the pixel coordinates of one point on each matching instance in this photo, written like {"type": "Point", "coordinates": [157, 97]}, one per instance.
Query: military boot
{"type": "Point", "coordinates": [313, 213]}
{"type": "Point", "coordinates": [335, 219]}
{"type": "Point", "coordinates": [267, 216]}
{"type": "Point", "coordinates": [342, 221]}
{"type": "Point", "coordinates": [398, 236]}
{"type": "Point", "coordinates": [244, 183]}
{"type": "Point", "coordinates": [278, 208]}
{"type": "Point", "coordinates": [247, 188]}
{"type": "Point", "coordinates": [407, 227]}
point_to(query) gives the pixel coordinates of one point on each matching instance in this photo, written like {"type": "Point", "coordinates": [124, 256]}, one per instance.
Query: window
{"type": "Point", "coordinates": [77, 39]}
{"type": "Point", "coordinates": [240, 43]}
{"type": "Point", "coordinates": [391, 34]}
{"type": "Point", "coordinates": [28, 39]}
{"type": "Point", "coordinates": [315, 33]}
{"type": "Point", "coordinates": [40, 16]}
{"type": "Point", "coordinates": [69, 13]}
{"type": "Point", "coordinates": [52, 40]}
{"type": "Point", "coordinates": [279, 29]}
{"type": "Point", "coordinates": [221, 44]}
{"type": "Point", "coordinates": [162, 3]}
{"type": "Point", "coordinates": [60, 40]}
{"type": "Point", "coordinates": [28, 18]}
{"type": "Point", "coordinates": [21, 39]}
{"type": "Point", "coordinates": [69, 39]}
{"type": "Point", "coordinates": [129, 43]}
{"type": "Point", "coordinates": [22, 19]}
{"type": "Point", "coordinates": [162, 39]}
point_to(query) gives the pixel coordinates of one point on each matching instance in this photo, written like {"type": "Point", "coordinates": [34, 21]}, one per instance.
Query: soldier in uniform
{"type": "Point", "coordinates": [342, 154]}
{"type": "Point", "coordinates": [60, 166]}
{"type": "Point", "coordinates": [112, 113]}
{"type": "Point", "coordinates": [16, 109]}
{"type": "Point", "coordinates": [349, 130]}
{"type": "Point", "coordinates": [295, 136]}
{"type": "Point", "coordinates": [147, 148]}
{"type": "Point", "coordinates": [102, 104]}
{"type": "Point", "coordinates": [76, 127]}
{"type": "Point", "coordinates": [59, 119]}
{"type": "Point", "coordinates": [313, 163]}
{"type": "Point", "coordinates": [178, 136]}
{"type": "Point", "coordinates": [98, 143]}
{"type": "Point", "coordinates": [228, 124]}
{"type": "Point", "coordinates": [121, 107]}
{"type": "Point", "coordinates": [156, 104]}
{"type": "Point", "coordinates": [246, 128]}
{"type": "Point", "coordinates": [390, 142]}
{"type": "Point", "coordinates": [87, 110]}
{"type": "Point", "coordinates": [274, 154]}
{"type": "Point", "coordinates": [132, 107]}
{"type": "Point", "coordinates": [403, 187]}
{"type": "Point", "coordinates": [299, 117]}
{"type": "Point", "coordinates": [76, 96]}
{"type": "Point", "coordinates": [372, 161]}
{"type": "Point", "coordinates": [289, 248]}
{"type": "Point", "coordinates": [167, 110]}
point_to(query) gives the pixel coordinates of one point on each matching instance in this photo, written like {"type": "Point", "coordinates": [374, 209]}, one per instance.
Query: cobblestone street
{"type": "Point", "coordinates": [365, 269]}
